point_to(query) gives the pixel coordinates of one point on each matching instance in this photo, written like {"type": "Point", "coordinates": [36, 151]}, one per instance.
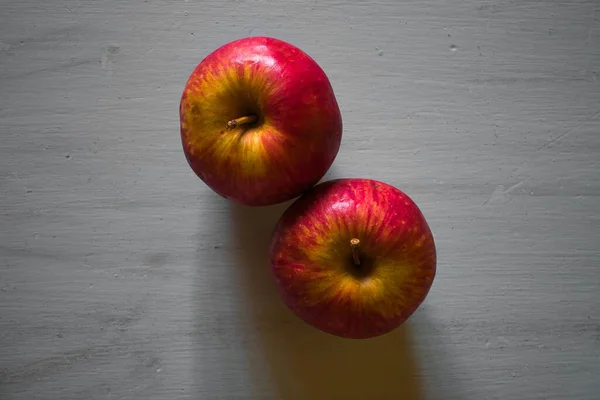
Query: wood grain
{"type": "Point", "coordinates": [123, 277]}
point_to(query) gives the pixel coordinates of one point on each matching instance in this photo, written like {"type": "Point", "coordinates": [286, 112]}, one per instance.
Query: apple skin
{"type": "Point", "coordinates": [312, 260]}
{"type": "Point", "coordinates": [298, 130]}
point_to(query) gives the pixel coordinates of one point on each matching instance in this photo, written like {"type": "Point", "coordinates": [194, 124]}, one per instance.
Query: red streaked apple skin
{"type": "Point", "coordinates": [298, 134]}
{"type": "Point", "coordinates": [311, 257]}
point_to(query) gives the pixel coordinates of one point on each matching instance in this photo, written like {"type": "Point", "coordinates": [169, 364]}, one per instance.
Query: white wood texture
{"type": "Point", "coordinates": [123, 277]}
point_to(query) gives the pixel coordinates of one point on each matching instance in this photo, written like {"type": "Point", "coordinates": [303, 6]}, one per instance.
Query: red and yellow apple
{"type": "Point", "coordinates": [259, 121]}
{"type": "Point", "coordinates": [353, 257]}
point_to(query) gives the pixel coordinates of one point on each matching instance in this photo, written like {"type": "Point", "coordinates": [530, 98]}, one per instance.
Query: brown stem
{"type": "Point", "coordinates": [248, 119]}
{"type": "Point", "coordinates": [354, 243]}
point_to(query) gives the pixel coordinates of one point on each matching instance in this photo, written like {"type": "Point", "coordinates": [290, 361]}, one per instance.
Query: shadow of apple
{"type": "Point", "coordinates": [298, 361]}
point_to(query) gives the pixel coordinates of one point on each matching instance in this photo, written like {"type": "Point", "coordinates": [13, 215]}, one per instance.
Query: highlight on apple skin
{"type": "Point", "coordinates": [353, 257]}
{"type": "Point", "coordinates": [259, 121]}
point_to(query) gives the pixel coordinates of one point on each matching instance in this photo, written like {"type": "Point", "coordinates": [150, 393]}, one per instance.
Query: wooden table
{"type": "Point", "coordinates": [123, 277]}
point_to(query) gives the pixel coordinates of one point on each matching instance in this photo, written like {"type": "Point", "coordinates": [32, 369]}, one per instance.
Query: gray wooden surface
{"type": "Point", "coordinates": [123, 277]}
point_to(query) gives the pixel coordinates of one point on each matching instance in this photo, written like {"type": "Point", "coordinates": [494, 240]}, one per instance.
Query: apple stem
{"type": "Point", "coordinates": [354, 245]}
{"type": "Point", "coordinates": [248, 119]}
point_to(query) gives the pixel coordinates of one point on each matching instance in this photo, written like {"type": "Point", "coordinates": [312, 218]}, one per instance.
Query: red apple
{"type": "Point", "coordinates": [353, 257]}
{"type": "Point", "coordinates": [259, 121]}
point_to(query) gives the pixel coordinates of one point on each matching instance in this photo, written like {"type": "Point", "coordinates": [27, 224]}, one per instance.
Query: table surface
{"type": "Point", "coordinates": [122, 276]}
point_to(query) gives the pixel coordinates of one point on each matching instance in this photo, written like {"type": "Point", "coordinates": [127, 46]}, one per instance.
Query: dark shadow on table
{"type": "Point", "coordinates": [438, 351]}
{"type": "Point", "coordinates": [298, 361]}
